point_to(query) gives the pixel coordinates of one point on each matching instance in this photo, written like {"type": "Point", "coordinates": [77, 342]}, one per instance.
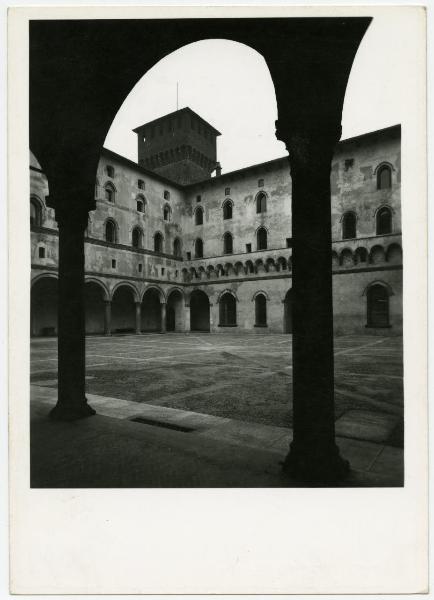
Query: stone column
{"type": "Point", "coordinates": [138, 317]}
{"type": "Point", "coordinates": [187, 325]}
{"type": "Point", "coordinates": [71, 403]}
{"type": "Point", "coordinates": [163, 317]}
{"type": "Point", "coordinates": [107, 317]}
{"type": "Point", "coordinates": [313, 456]}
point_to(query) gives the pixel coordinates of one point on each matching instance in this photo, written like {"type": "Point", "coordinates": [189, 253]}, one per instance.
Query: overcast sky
{"type": "Point", "coordinates": [229, 85]}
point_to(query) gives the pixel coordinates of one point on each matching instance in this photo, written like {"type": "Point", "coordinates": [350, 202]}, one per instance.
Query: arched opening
{"type": "Point", "coordinates": [199, 311]}
{"type": "Point", "coordinates": [94, 307]}
{"type": "Point", "coordinates": [110, 231]}
{"type": "Point", "coordinates": [140, 204]}
{"type": "Point", "coordinates": [261, 238]}
{"type": "Point", "coordinates": [158, 242]}
{"type": "Point", "coordinates": [384, 177]}
{"type": "Point", "coordinates": [287, 312]}
{"type": "Point", "coordinates": [377, 306]}
{"type": "Point", "coordinates": [177, 247]}
{"type": "Point", "coordinates": [227, 310]}
{"type": "Point", "coordinates": [109, 192]}
{"type": "Point", "coordinates": [348, 226]}
{"type": "Point", "coordinates": [227, 243]}
{"type": "Point", "coordinates": [174, 312]}
{"type": "Point", "coordinates": [198, 216]}
{"type": "Point", "coordinates": [261, 202]}
{"type": "Point", "coordinates": [35, 213]}
{"type": "Point", "coordinates": [151, 311]}
{"type": "Point", "coordinates": [227, 209]}
{"type": "Point", "coordinates": [43, 307]}
{"type": "Point", "coordinates": [123, 316]}
{"type": "Point", "coordinates": [167, 212]}
{"type": "Point", "coordinates": [198, 248]}
{"type": "Point", "coordinates": [137, 238]}
{"type": "Point", "coordinates": [260, 311]}
{"type": "Point", "coordinates": [384, 221]}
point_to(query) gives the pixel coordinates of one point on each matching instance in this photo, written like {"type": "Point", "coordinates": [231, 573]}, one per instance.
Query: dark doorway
{"type": "Point", "coordinates": [199, 311]}
{"type": "Point", "coordinates": [151, 311]}
{"type": "Point", "coordinates": [123, 311]}
{"type": "Point", "coordinates": [43, 307]}
{"type": "Point", "coordinates": [94, 307]}
{"type": "Point", "coordinates": [287, 312]}
{"type": "Point", "coordinates": [174, 312]}
{"type": "Point", "coordinates": [378, 306]}
{"type": "Point", "coordinates": [228, 310]}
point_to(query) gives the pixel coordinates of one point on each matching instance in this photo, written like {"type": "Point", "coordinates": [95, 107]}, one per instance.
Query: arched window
{"type": "Point", "coordinates": [110, 171]}
{"type": "Point", "coordinates": [377, 306]}
{"type": "Point", "coordinates": [110, 231]}
{"type": "Point", "coordinates": [140, 184]}
{"type": "Point", "coordinates": [348, 226]}
{"type": "Point", "coordinates": [109, 192]}
{"type": "Point", "coordinates": [198, 216]}
{"type": "Point", "coordinates": [261, 203]}
{"type": "Point", "coordinates": [198, 248]}
{"type": "Point", "coordinates": [166, 212]}
{"type": "Point", "coordinates": [227, 209]}
{"type": "Point", "coordinates": [140, 204]}
{"type": "Point", "coordinates": [137, 238]}
{"type": "Point", "coordinates": [227, 243]}
{"type": "Point", "coordinates": [384, 221]}
{"type": "Point", "coordinates": [261, 238]}
{"type": "Point", "coordinates": [228, 310]}
{"type": "Point", "coordinates": [384, 177]}
{"type": "Point", "coordinates": [35, 213]}
{"type": "Point", "coordinates": [158, 242]}
{"type": "Point", "coordinates": [177, 247]}
{"type": "Point", "coordinates": [260, 311]}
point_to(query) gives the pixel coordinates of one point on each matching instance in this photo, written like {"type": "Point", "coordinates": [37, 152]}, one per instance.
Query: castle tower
{"type": "Point", "coordinates": [180, 146]}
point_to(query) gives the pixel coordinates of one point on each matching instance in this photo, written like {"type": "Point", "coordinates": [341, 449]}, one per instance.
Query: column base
{"type": "Point", "coordinates": [71, 412]}
{"type": "Point", "coordinates": [315, 465]}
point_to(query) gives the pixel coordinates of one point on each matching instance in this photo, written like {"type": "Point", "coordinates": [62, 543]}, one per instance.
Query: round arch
{"type": "Point", "coordinates": [260, 293]}
{"type": "Point", "coordinates": [226, 291]}
{"type": "Point", "coordinates": [129, 285]}
{"type": "Point", "coordinates": [44, 275]}
{"type": "Point", "coordinates": [44, 305]}
{"type": "Point", "coordinates": [157, 289]}
{"type": "Point", "coordinates": [99, 283]}
{"type": "Point", "coordinates": [382, 164]}
{"type": "Point", "coordinates": [389, 289]}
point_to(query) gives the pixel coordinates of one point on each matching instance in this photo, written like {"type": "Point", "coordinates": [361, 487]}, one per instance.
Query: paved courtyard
{"type": "Point", "coordinates": [241, 377]}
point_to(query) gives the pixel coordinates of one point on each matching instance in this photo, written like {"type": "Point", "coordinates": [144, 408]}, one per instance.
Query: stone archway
{"type": "Point", "coordinates": [151, 311]}
{"type": "Point", "coordinates": [199, 311]}
{"type": "Point", "coordinates": [123, 317]}
{"type": "Point", "coordinates": [174, 311]}
{"type": "Point", "coordinates": [94, 295]}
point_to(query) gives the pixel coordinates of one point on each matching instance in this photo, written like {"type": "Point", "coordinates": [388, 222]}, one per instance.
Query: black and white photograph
{"type": "Point", "coordinates": [218, 238]}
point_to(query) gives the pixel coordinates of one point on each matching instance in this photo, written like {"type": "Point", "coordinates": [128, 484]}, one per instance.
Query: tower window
{"type": "Point", "coordinates": [140, 184]}
{"type": "Point", "coordinates": [113, 263]}
{"type": "Point", "coordinates": [41, 252]}
{"type": "Point", "coordinates": [261, 238]}
{"type": "Point", "coordinates": [35, 213]}
{"type": "Point", "coordinates": [177, 247]}
{"type": "Point", "coordinates": [110, 231]}
{"type": "Point", "coordinates": [227, 209]}
{"type": "Point", "coordinates": [198, 248]}
{"type": "Point", "coordinates": [349, 163]}
{"type": "Point", "coordinates": [110, 171]}
{"type": "Point", "coordinates": [198, 216]}
{"type": "Point", "coordinates": [166, 195]}
{"type": "Point", "coordinates": [227, 243]}
{"type": "Point", "coordinates": [158, 242]}
{"type": "Point", "coordinates": [227, 191]}
{"type": "Point", "coordinates": [140, 206]}
{"type": "Point", "coordinates": [137, 238]}
{"type": "Point", "coordinates": [261, 203]}
{"type": "Point", "coordinates": [384, 221]}
{"type": "Point", "coordinates": [109, 192]}
{"type": "Point", "coordinates": [166, 212]}
{"type": "Point", "coordinates": [140, 267]}
{"type": "Point", "coordinates": [198, 198]}
{"type": "Point", "coordinates": [260, 183]}
{"type": "Point", "coordinates": [348, 226]}
{"type": "Point", "coordinates": [384, 177]}
{"type": "Point", "coordinates": [248, 248]}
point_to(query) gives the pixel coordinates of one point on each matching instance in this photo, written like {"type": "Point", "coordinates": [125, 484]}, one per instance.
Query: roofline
{"type": "Point", "coordinates": [163, 117]}
{"type": "Point", "coordinates": [141, 169]}
{"type": "Point", "coordinates": [285, 158]}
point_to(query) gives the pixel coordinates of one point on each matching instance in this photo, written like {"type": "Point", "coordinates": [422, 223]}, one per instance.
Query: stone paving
{"type": "Point", "coordinates": [246, 378]}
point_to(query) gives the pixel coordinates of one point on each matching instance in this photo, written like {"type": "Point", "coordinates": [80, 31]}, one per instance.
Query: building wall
{"type": "Point", "coordinates": [354, 188]}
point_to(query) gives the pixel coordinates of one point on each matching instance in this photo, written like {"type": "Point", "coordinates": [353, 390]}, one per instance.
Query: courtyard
{"type": "Point", "coordinates": [242, 377]}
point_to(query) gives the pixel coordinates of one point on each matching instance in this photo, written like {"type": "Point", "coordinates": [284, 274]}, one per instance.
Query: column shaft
{"type": "Point", "coordinates": [138, 317]}
{"type": "Point", "coordinates": [71, 403]}
{"type": "Point", "coordinates": [107, 317]}
{"type": "Point", "coordinates": [163, 317]}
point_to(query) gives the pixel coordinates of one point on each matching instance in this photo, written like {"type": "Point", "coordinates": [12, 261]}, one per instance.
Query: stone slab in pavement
{"type": "Point", "coordinates": [366, 425]}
